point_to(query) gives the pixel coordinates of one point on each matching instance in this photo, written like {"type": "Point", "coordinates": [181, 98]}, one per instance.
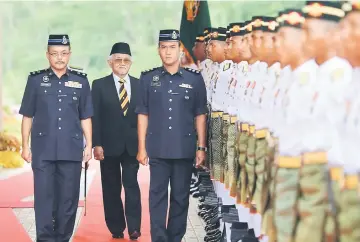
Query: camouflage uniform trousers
{"type": "Point", "coordinates": [331, 222]}
{"type": "Point", "coordinates": [250, 165]}
{"type": "Point", "coordinates": [242, 143]}
{"type": "Point", "coordinates": [232, 157]}
{"type": "Point", "coordinates": [313, 205]}
{"type": "Point", "coordinates": [286, 196]}
{"type": "Point", "coordinates": [261, 159]}
{"type": "Point", "coordinates": [268, 226]}
{"type": "Point", "coordinates": [349, 216]}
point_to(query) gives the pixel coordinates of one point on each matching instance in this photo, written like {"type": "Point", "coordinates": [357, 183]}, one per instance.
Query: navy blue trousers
{"type": "Point", "coordinates": [56, 196]}
{"type": "Point", "coordinates": [178, 173]}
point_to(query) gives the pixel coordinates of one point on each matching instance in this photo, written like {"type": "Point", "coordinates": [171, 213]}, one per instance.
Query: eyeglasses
{"type": "Point", "coordinates": [120, 61]}
{"type": "Point", "coordinates": [63, 54]}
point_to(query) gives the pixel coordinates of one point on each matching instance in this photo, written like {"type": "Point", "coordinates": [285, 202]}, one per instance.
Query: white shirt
{"type": "Point", "coordinates": [127, 85]}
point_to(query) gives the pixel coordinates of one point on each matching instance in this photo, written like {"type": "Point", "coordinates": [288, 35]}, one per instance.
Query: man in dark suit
{"type": "Point", "coordinates": [115, 142]}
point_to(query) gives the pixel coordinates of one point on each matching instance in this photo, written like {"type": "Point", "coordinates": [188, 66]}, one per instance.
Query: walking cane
{"type": "Point", "coordinates": [85, 181]}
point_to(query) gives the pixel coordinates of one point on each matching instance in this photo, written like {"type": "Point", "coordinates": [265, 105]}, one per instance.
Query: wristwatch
{"type": "Point", "coordinates": [202, 148]}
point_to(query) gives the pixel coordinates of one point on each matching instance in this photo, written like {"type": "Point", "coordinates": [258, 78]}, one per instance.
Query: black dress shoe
{"type": "Point", "coordinates": [134, 235]}
{"type": "Point", "coordinates": [118, 236]}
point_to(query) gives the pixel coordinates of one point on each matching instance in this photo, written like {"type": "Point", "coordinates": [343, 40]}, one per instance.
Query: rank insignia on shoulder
{"type": "Point", "coordinates": [226, 67]}
{"type": "Point", "coordinates": [76, 72]}
{"type": "Point", "coordinates": [192, 70]}
{"type": "Point", "coordinates": [337, 74]}
{"type": "Point", "coordinates": [149, 70]}
{"type": "Point", "coordinates": [34, 73]}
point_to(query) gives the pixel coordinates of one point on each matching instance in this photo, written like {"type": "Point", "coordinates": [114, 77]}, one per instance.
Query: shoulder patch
{"type": "Point", "coordinates": [78, 73]}
{"type": "Point", "coordinates": [304, 78]}
{"type": "Point", "coordinates": [34, 73]}
{"type": "Point", "coordinates": [149, 70]}
{"type": "Point", "coordinates": [337, 74]}
{"type": "Point", "coordinates": [191, 70]}
{"type": "Point", "coordinates": [227, 66]}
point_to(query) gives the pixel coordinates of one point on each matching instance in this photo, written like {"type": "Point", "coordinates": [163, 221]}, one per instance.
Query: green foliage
{"type": "Point", "coordinates": [94, 27]}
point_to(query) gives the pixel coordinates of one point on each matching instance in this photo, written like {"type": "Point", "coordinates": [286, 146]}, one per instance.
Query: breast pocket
{"type": "Point", "coordinates": [46, 96]}
{"type": "Point", "coordinates": [73, 96]}
{"type": "Point", "coordinates": [156, 93]}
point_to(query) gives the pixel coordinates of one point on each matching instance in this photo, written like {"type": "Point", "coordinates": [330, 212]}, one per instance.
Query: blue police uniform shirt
{"type": "Point", "coordinates": [57, 106]}
{"type": "Point", "coordinates": [171, 102]}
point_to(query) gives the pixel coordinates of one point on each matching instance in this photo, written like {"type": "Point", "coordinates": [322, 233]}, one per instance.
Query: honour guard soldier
{"type": "Point", "coordinates": [172, 107]}
{"type": "Point", "coordinates": [57, 111]}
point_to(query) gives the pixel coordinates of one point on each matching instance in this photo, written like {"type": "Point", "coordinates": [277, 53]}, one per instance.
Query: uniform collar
{"type": "Point", "coordinates": [51, 72]}
{"type": "Point", "coordinates": [164, 71]}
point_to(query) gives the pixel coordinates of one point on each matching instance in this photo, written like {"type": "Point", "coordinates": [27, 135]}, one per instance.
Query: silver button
{"type": "Point", "coordinates": [60, 100]}
{"type": "Point", "coordinates": [59, 109]}
{"type": "Point", "coordinates": [40, 133]}
{"type": "Point", "coordinates": [170, 100]}
{"type": "Point", "coordinates": [189, 134]}
{"type": "Point", "coordinates": [59, 119]}
{"type": "Point", "coordinates": [186, 91]}
{"type": "Point", "coordinates": [170, 91]}
{"type": "Point", "coordinates": [59, 127]}
{"type": "Point", "coordinates": [170, 81]}
{"type": "Point", "coordinates": [45, 91]}
{"type": "Point", "coordinates": [170, 118]}
{"type": "Point", "coordinates": [170, 127]}
{"type": "Point", "coordinates": [170, 109]}
{"type": "Point", "coordinates": [59, 90]}
{"type": "Point", "coordinates": [74, 92]}
{"type": "Point", "coordinates": [154, 90]}
{"type": "Point", "coordinates": [59, 82]}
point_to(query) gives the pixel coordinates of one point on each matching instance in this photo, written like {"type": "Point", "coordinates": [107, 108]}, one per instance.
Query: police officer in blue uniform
{"type": "Point", "coordinates": [57, 110]}
{"type": "Point", "coordinates": [171, 112]}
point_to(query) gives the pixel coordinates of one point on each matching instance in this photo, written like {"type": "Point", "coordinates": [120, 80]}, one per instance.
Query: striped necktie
{"type": "Point", "coordinates": [124, 99]}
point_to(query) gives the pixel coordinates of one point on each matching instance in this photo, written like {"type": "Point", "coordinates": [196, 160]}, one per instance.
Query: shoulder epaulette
{"type": "Point", "coordinates": [34, 73]}
{"type": "Point", "coordinates": [149, 70]}
{"type": "Point", "coordinates": [192, 70]}
{"type": "Point", "coordinates": [75, 68]}
{"type": "Point", "coordinates": [78, 73]}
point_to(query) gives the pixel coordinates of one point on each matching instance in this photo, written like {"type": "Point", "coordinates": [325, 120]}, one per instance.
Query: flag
{"type": "Point", "coordinates": [195, 17]}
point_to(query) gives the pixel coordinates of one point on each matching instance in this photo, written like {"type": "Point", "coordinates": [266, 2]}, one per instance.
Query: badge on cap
{"type": "Point", "coordinates": [64, 40]}
{"type": "Point", "coordinates": [45, 78]}
{"type": "Point", "coordinates": [174, 35]}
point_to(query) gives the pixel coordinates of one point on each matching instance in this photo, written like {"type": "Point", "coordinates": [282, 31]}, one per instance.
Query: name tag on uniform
{"type": "Point", "coordinates": [155, 84]}
{"type": "Point", "coordinates": [73, 84]}
{"type": "Point", "coordinates": [183, 85]}
{"type": "Point", "coordinates": [45, 84]}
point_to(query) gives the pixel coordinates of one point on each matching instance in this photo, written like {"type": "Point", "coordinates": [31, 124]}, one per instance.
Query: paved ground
{"type": "Point", "coordinates": [195, 230]}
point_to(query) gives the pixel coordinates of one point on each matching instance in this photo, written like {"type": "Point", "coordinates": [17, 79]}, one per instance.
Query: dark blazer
{"type": "Point", "coordinates": [111, 129]}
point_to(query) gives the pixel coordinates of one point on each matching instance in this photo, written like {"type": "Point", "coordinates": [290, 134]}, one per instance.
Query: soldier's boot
{"type": "Point", "coordinates": [349, 216]}
{"type": "Point", "coordinates": [313, 203]}
{"type": "Point", "coordinates": [287, 193]}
